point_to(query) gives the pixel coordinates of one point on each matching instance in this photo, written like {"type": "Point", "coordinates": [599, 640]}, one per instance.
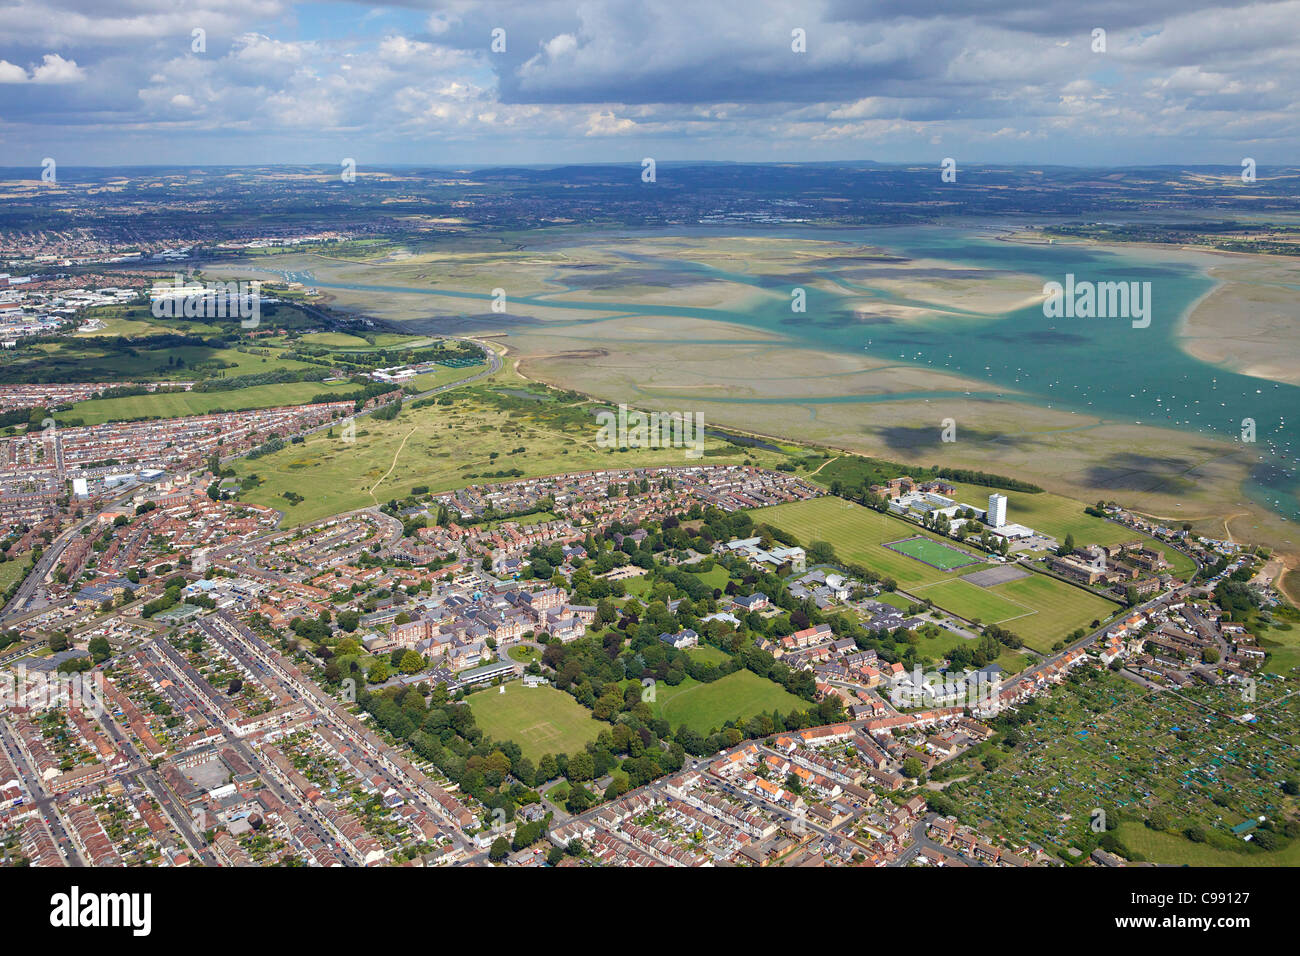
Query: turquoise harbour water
{"type": "Point", "coordinates": [1100, 366]}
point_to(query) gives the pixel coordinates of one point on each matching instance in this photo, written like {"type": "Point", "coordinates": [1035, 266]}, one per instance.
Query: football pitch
{"type": "Point", "coordinates": [933, 553]}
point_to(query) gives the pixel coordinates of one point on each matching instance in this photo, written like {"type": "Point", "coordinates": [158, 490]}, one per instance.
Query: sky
{"type": "Point", "coordinates": [1109, 83]}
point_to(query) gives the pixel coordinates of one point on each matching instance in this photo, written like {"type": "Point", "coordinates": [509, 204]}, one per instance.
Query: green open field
{"type": "Point", "coordinates": [858, 535]}
{"type": "Point", "coordinates": [1052, 514]}
{"type": "Point", "coordinates": [1040, 609]}
{"type": "Point", "coordinates": [708, 654]}
{"type": "Point", "coordinates": [524, 521]}
{"type": "Point", "coordinates": [181, 404]}
{"type": "Point", "coordinates": [11, 571]}
{"type": "Point", "coordinates": [938, 647]}
{"type": "Point", "coordinates": [738, 696]}
{"type": "Point", "coordinates": [444, 375]}
{"type": "Point", "coordinates": [942, 556]}
{"type": "Point", "coordinates": [715, 577]}
{"type": "Point", "coordinates": [894, 599]}
{"type": "Point", "coordinates": [1058, 609]}
{"type": "Point", "coordinates": [972, 602]}
{"type": "Point", "coordinates": [1283, 649]}
{"type": "Point", "coordinates": [540, 720]}
{"type": "Point", "coordinates": [639, 586]}
{"type": "Point", "coordinates": [469, 441]}
{"type": "Point", "coordinates": [345, 341]}
{"type": "Point", "coordinates": [89, 360]}
{"type": "Point", "coordinates": [1174, 849]}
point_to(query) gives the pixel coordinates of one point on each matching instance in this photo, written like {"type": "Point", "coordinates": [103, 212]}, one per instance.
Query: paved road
{"type": "Point", "coordinates": [41, 799]}
{"type": "Point", "coordinates": [36, 577]}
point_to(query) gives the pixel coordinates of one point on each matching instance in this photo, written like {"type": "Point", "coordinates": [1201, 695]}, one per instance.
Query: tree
{"type": "Point", "coordinates": [500, 849]}
{"type": "Point", "coordinates": [412, 662]}
{"type": "Point", "coordinates": [580, 799]}
{"type": "Point", "coordinates": [912, 768]}
{"type": "Point", "coordinates": [581, 767]}
{"type": "Point", "coordinates": [1068, 546]}
{"type": "Point", "coordinates": [820, 552]}
{"type": "Point", "coordinates": [99, 649]}
{"type": "Point", "coordinates": [547, 768]}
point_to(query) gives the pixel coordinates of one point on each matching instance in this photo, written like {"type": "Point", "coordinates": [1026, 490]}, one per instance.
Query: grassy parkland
{"type": "Point", "coordinates": [471, 435]}
{"type": "Point", "coordinates": [181, 404]}
{"type": "Point", "coordinates": [540, 720]}
{"type": "Point", "coordinates": [738, 696]}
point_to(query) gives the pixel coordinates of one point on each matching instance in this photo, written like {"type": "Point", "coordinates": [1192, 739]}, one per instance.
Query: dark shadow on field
{"type": "Point", "coordinates": [641, 276]}
{"type": "Point", "coordinates": [927, 437]}
{"type": "Point", "coordinates": [479, 323]}
{"type": "Point", "coordinates": [1130, 471]}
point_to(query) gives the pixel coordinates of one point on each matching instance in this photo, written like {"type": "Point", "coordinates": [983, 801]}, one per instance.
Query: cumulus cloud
{"type": "Point", "coordinates": [1186, 79]}
{"type": "Point", "coordinates": [605, 123]}
{"type": "Point", "coordinates": [52, 69]}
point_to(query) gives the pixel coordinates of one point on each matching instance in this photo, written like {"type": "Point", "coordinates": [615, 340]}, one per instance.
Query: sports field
{"type": "Point", "coordinates": [973, 602]}
{"type": "Point", "coordinates": [1040, 609]}
{"type": "Point", "coordinates": [11, 571]}
{"type": "Point", "coordinates": [1058, 608]}
{"type": "Point", "coordinates": [738, 696]}
{"type": "Point", "coordinates": [540, 720]}
{"type": "Point", "coordinates": [858, 535]}
{"type": "Point", "coordinates": [933, 553]}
